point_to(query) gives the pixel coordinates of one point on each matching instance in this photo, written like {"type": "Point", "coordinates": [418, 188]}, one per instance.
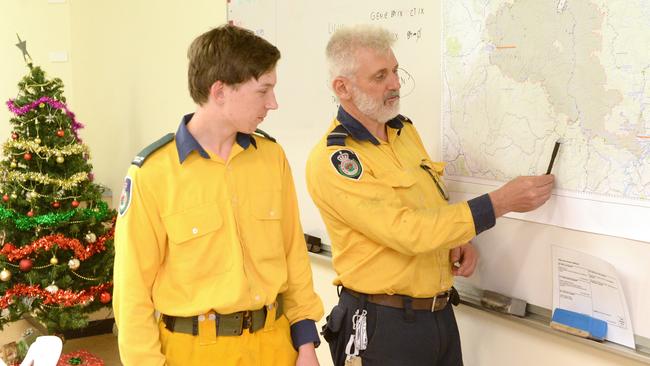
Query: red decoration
{"type": "Point", "coordinates": [81, 357]}
{"type": "Point", "coordinates": [60, 133]}
{"type": "Point", "coordinates": [75, 203]}
{"type": "Point", "coordinates": [46, 243]}
{"type": "Point", "coordinates": [30, 213]}
{"type": "Point", "coordinates": [27, 156]}
{"type": "Point", "coordinates": [14, 136]}
{"type": "Point", "coordinates": [64, 298]}
{"type": "Point", "coordinates": [56, 204]}
{"type": "Point", "coordinates": [5, 198]}
{"type": "Point", "coordinates": [26, 264]}
{"type": "Point", "coordinates": [7, 248]}
{"type": "Point", "coordinates": [105, 297]}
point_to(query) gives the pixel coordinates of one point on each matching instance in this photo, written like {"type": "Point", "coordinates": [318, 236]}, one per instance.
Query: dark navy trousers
{"type": "Point", "coordinates": [396, 337]}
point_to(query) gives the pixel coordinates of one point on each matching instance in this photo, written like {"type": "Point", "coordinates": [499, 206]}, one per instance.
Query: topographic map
{"type": "Point", "coordinates": [520, 75]}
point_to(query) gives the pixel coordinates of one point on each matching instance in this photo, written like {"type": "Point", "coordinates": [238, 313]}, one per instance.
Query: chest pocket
{"type": "Point", "coordinates": [183, 227]}
{"type": "Point", "coordinates": [266, 242]}
{"type": "Point", "coordinates": [397, 179]}
{"type": "Point", "coordinates": [267, 205]}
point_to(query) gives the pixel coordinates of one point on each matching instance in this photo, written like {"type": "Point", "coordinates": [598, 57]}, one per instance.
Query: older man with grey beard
{"type": "Point", "coordinates": [395, 238]}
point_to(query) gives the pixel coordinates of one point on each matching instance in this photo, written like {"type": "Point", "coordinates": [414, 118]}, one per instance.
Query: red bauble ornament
{"type": "Point", "coordinates": [104, 297]}
{"type": "Point", "coordinates": [75, 203]}
{"type": "Point", "coordinates": [14, 136]}
{"type": "Point", "coordinates": [60, 133]}
{"type": "Point", "coordinates": [26, 264]}
{"type": "Point", "coordinates": [27, 156]}
{"type": "Point", "coordinates": [5, 198]}
{"type": "Point", "coordinates": [30, 213]}
{"type": "Point", "coordinates": [56, 204]}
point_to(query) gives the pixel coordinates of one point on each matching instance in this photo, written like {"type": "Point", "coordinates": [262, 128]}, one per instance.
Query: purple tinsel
{"type": "Point", "coordinates": [19, 111]}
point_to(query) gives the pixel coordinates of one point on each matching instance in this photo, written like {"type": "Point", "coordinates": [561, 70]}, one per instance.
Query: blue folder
{"type": "Point", "coordinates": [579, 324]}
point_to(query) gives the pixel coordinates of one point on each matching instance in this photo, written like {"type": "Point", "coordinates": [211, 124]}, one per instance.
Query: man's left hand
{"type": "Point", "coordinates": [467, 257]}
{"type": "Point", "coordinates": [307, 355]}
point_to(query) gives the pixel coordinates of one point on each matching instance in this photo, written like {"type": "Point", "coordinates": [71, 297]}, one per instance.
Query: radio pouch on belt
{"type": "Point", "coordinates": [334, 323]}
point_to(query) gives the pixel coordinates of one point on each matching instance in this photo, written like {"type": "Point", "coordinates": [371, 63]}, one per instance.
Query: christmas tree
{"type": "Point", "coordinates": [56, 233]}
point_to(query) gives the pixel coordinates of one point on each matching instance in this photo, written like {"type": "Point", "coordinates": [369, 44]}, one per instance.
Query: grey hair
{"type": "Point", "coordinates": [344, 43]}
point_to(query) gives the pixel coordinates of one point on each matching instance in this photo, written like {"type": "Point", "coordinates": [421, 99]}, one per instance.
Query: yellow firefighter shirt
{"type": "Point", "coordinates": [384, 207]}
{"type": "Point", "coordinates": [195, 233]}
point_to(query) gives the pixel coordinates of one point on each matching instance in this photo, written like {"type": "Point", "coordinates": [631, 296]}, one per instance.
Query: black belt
{"type": "Point", "coordinates": [227, 324]}
{"type": "Point", "coordinates": [435, 303]}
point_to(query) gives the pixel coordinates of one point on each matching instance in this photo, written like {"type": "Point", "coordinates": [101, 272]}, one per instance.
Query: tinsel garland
{"type": "Point", "coordinates": [48, 152]}
{"type": "Point", "coordinates": [19, 111]}
{"type": "Point", "coordinates": [69, 183]}
{"type": "Point", "coordinates": [46, 243]}
{"type": "Point", "coordinates": [24, 222]}
{"type": "Point", "coordinates": [64, 298]}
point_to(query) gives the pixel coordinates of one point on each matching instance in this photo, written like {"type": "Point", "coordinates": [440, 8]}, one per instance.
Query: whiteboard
{"type": "Point", "coordinates": [516, 254]}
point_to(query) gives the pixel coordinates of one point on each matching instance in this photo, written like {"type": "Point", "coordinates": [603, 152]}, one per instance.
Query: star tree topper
{"type": "Point", "coordinates": [22, 45]}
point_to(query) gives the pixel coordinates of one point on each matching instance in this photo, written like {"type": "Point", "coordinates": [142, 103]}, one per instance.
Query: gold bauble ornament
{"type": "Point", "coordinates": [74, 264]}
{"type": "Point", "coordinates": [14, 196]}
{"type": "Point", "coordinates": [37, 141]}
{"type": "Point", "coordinates": [54, 260]}
{"type": "Point", "coordinates": [33, 194]}
{"type": "Point", "coordinates": [90, 237]}
{"type": "Point", "coordinates": [5, 275]}
{"type": "Point", "coordinates": [13, 164]}
{"type": "Point", "coordinates": [52, 288]}
{"type": "Point", "coordinates": [60, 159]}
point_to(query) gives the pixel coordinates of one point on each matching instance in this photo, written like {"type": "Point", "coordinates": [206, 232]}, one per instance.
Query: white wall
{"type": "Point", "coordinates": [130, 70]}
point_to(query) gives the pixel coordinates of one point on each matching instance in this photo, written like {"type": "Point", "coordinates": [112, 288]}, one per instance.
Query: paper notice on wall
{"type": "Point", "coordinates": [589, 285]}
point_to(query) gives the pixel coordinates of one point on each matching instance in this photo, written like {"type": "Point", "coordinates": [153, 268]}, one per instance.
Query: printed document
{"type": "Point", "coordinates": [589, 285]}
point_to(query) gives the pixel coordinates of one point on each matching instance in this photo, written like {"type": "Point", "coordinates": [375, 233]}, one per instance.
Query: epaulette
{"type": "Point", "coordinates": [337, 136]}
{"type": "Point", "coordinates": [142, 155]}
{"type": "Point", "coordinates": [404, 119]}
{"type": "Point", "coordinates": [264, 134]}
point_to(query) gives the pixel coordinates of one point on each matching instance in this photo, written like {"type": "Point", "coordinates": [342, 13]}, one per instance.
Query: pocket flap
{"type": "Point", "coordinates": [397, 179]}
{"type": "Point", "coordinates": [193, 223]}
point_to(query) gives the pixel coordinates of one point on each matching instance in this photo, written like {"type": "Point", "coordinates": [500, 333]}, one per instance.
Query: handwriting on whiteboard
{"type": "Point", "coordinates": [395, 13]}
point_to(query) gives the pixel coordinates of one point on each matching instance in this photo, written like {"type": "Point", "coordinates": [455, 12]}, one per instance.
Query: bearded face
{"type": "Point", "coordinates": [381, 109]}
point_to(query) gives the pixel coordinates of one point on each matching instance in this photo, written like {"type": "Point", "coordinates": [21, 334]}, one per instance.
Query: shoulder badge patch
{"type": "Point", "coordinates": [125, 197]}
{"type": "Point", "coordinates": [347, 164]}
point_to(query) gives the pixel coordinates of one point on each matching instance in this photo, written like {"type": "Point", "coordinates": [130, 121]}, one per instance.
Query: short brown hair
{"type": "Point", "coordinates": [228, 54]}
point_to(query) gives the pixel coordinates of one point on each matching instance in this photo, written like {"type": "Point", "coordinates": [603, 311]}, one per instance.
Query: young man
{"type": "Point", "coordinates": [394, 236]}
{"type": "Point", "coordinates": [208, 232]}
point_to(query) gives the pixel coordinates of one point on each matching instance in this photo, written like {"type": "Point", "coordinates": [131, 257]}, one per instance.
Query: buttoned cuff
{"type": "Point", "coordinates": [304, 332]}
{"type": "Point", "coordinates": [482, 213]}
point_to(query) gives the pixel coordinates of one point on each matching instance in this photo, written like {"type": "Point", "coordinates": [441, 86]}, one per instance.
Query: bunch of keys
{"type": "Point", "coordinates": [358, 340]}
{"type": "Point", "coordinates": [359, 325]}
